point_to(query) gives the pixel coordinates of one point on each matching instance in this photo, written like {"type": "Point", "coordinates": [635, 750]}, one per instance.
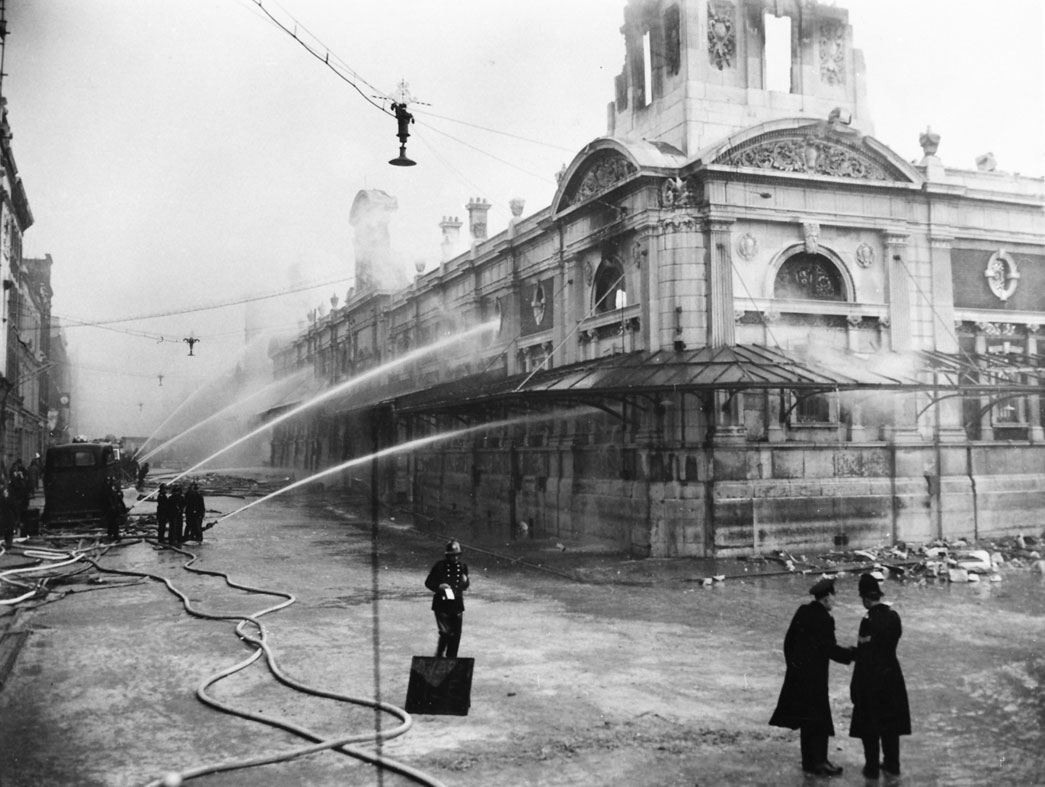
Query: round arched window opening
{"type": "Point", "coordinates": [609, 290]}
{"type": "Point", "coordinates": [811, 277]}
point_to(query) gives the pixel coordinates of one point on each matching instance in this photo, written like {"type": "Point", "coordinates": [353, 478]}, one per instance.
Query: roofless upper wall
{"type": "Point", "coordinates": [697, 71]}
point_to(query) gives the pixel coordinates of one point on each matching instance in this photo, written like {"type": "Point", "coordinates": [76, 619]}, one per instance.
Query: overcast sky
{"type": "Point", "coordinates": [182, 154]}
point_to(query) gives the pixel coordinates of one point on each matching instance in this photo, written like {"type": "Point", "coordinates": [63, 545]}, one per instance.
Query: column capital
{"type": "Point", "coordinates": [941, 241]}
{"type": "Point", "coordinates": [894, 238]}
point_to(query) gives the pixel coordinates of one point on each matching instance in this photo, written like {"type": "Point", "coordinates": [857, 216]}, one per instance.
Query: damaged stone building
{"type": "Point", "coordinates": [742, 324]}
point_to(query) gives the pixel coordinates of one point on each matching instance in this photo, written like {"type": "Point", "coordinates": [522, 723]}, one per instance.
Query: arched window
{"type": "Point", "coordinates": [810, 277]}
{"type": "Point", "coordinates": [610, 293]}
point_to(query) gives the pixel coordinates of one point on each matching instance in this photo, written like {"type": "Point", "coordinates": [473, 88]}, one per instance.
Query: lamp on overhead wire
{"type": "Point", "coordinates": [404, 118]}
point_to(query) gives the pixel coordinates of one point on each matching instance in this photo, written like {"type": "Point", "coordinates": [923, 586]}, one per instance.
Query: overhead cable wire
{"type": "Point", "coordinates": [325, 57]}
{"type": "Point", "coordinates": [495, 131]}
{"type": "Point", "coordinates": [212, 307]}
{"type": "Point", "coordinates": [544, 178]}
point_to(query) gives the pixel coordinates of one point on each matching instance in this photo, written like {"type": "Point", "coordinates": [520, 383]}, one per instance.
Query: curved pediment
{"type": "Point", "coordinates": [606, 163]}
{"type": "Point", "coordinates": [814, 149]}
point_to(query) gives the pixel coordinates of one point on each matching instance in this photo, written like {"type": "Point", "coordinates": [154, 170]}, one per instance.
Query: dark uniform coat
{"type": "Point", "coordinates": [878, 691]}
{"type": "Point", "coordinates": [808, 646]}
{"type": "Point", "coordinates": [454, 574]}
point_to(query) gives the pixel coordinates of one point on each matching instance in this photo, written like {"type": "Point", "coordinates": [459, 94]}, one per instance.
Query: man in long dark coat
{"type": "Point", "coordinates": [804, 705]}
{"type": "Point", "coordinates": [448, 580]}
{"type": "Point", "coordinates": [195, 510]}
{"type": "Point", "coordinates": [163, 513]}
{"type": "Point", "coordinates": [176, 515]}
{"type": "Point", "coordinates": [881, 713]}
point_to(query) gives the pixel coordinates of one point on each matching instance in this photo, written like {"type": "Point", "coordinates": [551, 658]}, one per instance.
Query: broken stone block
{"type": "Point", "coordinates": [957, 575]}
{"type": "Point", "coordinates": [978, 561]}
{"type": "Point", "coordinates": [1038, 567]}
{"type": "Point", "coordinates": [995, 577]}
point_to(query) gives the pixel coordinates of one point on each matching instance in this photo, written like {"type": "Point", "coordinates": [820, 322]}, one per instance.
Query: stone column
{"type": "Point", "coordinates": [949, 427]}
{"type": "Point", "coordinates": [721, 320]}
{"type": "Point", "coordinates": [1035, 432]}
{"type": "Point", "coordinates": [986, 412]}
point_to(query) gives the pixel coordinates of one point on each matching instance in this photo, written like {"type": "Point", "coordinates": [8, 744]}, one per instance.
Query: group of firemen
{"type": "Point", "coordinates": [179, 515]}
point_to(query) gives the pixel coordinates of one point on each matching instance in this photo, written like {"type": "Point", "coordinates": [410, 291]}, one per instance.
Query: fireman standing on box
{"type": "Point", "coordinates": [448, 580]}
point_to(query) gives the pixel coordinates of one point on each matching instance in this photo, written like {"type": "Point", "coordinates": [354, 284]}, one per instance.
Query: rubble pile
{"type": "Point", "coordinates": [940, 560]}
{"type": "Point", "coordinates": [222, 485]}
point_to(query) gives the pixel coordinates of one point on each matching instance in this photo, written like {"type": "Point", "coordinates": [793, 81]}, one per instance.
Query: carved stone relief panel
{"type": "Point", "coordinates": [604, 172]}
{"type": "Point", "coordinates": [832, 53]}
{"type": "Point", "coordinates": [818, 155]}
{"type": "Point", "coordinates": [722, 36]}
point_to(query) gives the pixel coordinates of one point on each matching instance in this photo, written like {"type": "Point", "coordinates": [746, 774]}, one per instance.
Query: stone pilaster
{"type": "Point", "coordinates": [720, 283]}
{"type": "Point", "coordinates": [899, 291]}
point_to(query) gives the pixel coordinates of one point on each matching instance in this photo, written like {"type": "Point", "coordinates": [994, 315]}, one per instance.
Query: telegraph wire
{"type": "Point", "coordinates": [325, 57]}
{"type": "Point", "coordinates": [495, 131]}
{"type": "Point", "coordinates": [212, 307]}
{"type": "Point", "coordinates": [491, 155]}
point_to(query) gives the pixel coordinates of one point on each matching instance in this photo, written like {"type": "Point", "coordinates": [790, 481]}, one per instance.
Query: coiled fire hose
{"type": "Point", "coordinates": [341, 744]}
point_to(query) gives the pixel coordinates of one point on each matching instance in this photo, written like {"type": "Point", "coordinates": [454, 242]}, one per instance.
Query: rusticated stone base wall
{"type": "Point", "coordinates": [737, 500]}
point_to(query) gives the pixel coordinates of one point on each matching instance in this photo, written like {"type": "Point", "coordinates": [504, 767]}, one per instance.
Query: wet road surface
{"type": "Point", "coordinates": [642, 677]}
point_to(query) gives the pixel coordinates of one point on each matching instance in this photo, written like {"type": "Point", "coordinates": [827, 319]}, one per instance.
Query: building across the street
{"type": "Point", "coordinates": [742, 324]}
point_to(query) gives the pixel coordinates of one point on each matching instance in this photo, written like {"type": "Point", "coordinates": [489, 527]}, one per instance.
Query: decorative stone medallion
{"type": "Point", "coordinates": [747, 246]}
{"type": "Point", "coordinates": [864, 255]}
{"type": "Point", "coordinates": [1002, 275]}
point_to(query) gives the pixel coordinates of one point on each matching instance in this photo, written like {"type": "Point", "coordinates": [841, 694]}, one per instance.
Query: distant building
{"type": "Point", "coordinates": [59, 387]}
{"type": "Point", "coordinates": [26, 314]}
{"type": "Point", "coordinates": [742, 324]}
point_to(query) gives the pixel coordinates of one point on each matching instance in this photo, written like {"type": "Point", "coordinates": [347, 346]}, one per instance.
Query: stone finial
{"type": "Point", "coordinates": [986, 162]}
{"type": "Point", "coordinates": [516, 206]}
{"type": "Point", "coordinates": [930, 142]}
{"type": "Point", "coordinates": [334, 300]}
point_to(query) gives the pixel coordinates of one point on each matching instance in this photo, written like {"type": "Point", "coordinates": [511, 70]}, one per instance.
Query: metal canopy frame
{"type": "Point", "coordinates": [611, 383]}
{"type": "Point", "coordinates": [650, 376]}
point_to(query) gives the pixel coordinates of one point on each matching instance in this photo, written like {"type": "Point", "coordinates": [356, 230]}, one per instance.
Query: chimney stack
{"type": "Point", "coordinates": [477, 210]}
{"type": "Point", "coordinates": [451, 228]}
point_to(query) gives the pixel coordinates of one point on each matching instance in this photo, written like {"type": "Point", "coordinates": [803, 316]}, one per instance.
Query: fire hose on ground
{"type": "Point", "coordinates": [258, 641]}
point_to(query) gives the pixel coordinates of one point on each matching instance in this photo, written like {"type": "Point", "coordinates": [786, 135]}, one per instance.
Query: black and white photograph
{"type": "Point", "coordinates": [540, 394]}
